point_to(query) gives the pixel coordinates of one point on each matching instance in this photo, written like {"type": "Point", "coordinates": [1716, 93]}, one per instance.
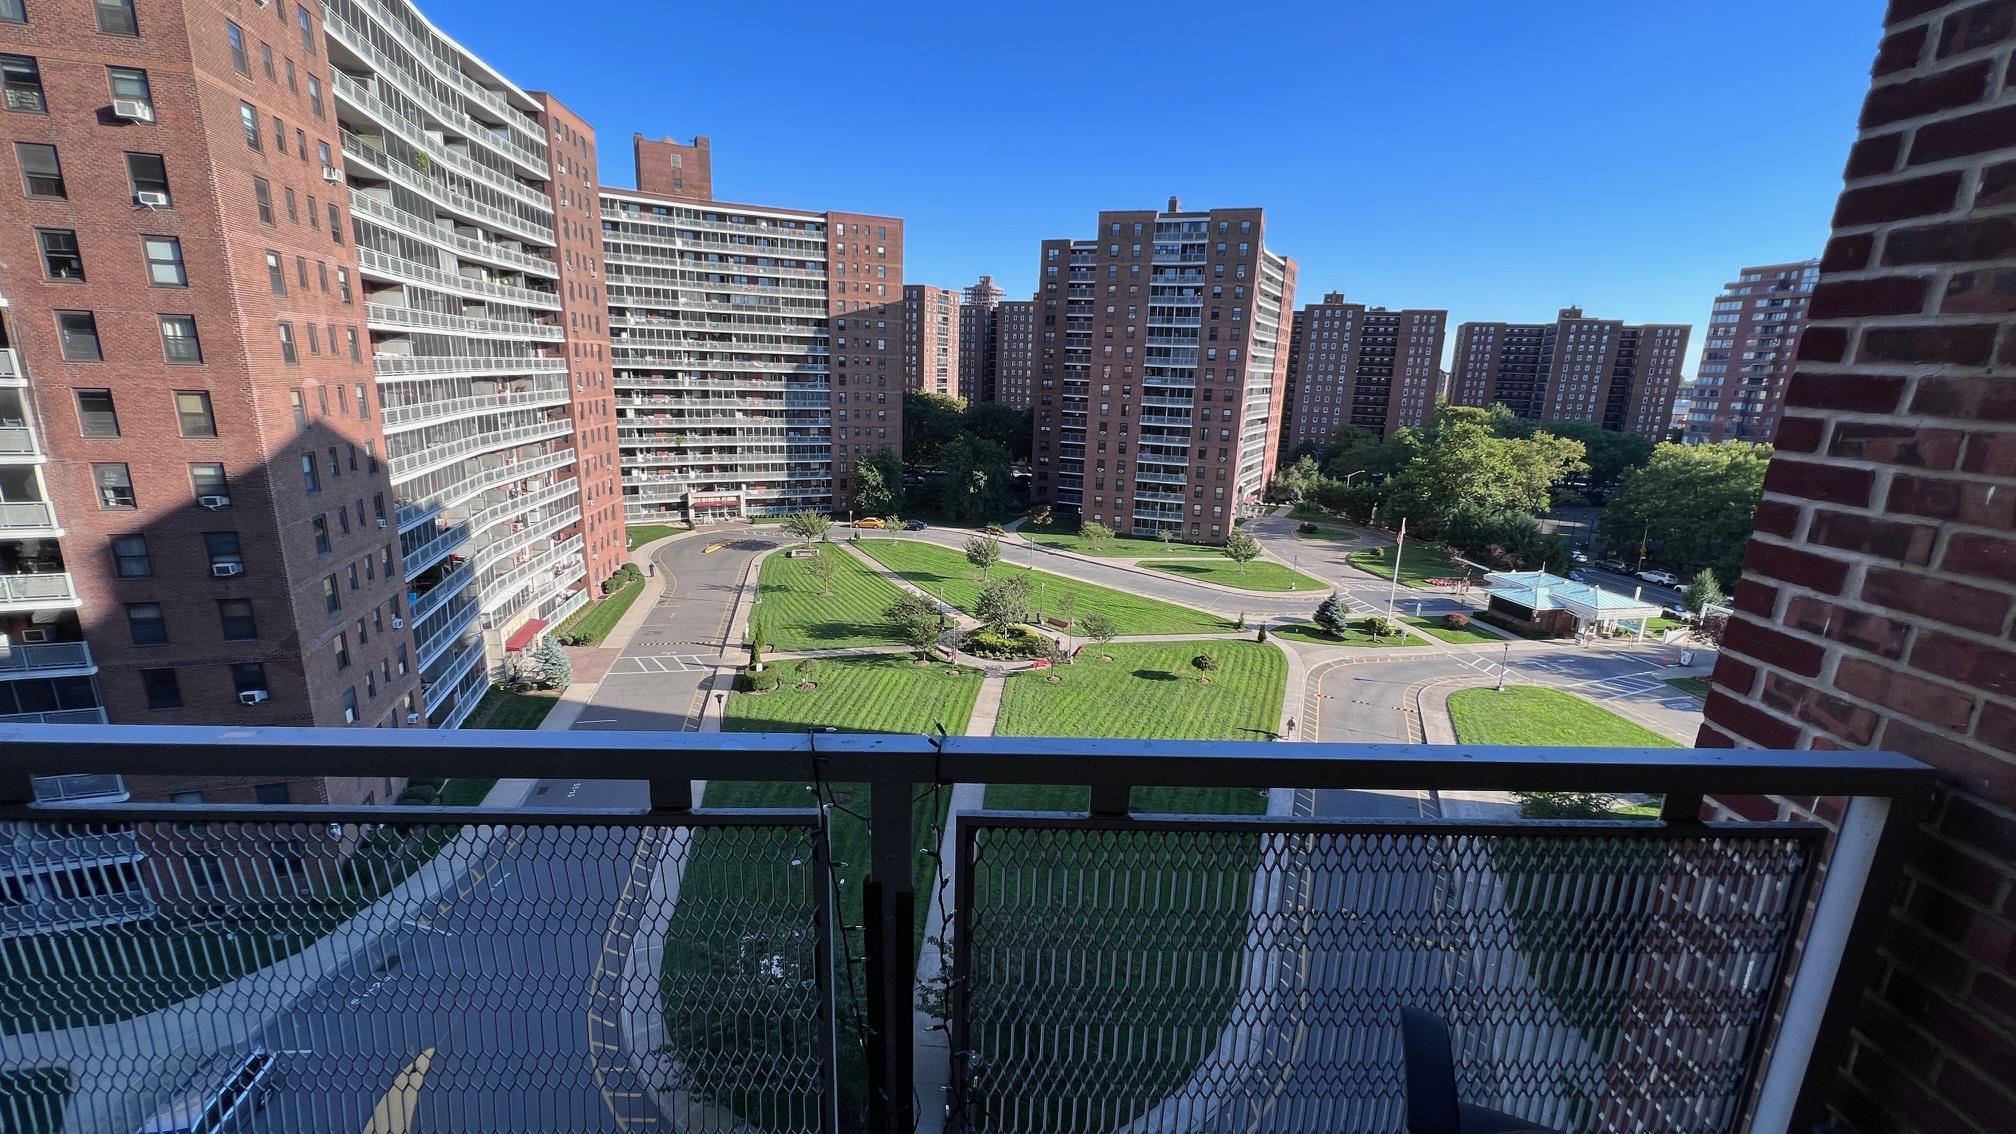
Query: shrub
{"type": "Point", "coordinates": [996, 530]}
{"type": "Point", "coordinates": [1333, 615]}
{"type": "Point", "coordinates": [1564, 804]}
{"type": "Point", "coordinates": [1379, 626]}
{"type": "Point", "coordinates": [1204, 663]}
{"type": "Point", "coordinates": [1456, 620]}
{"type": "Point", "coordinates": [807, 668]}
{"type": "Point", "coordinates": [1010, 642]}
{"type": "Point", "coordinates": [753, 681]}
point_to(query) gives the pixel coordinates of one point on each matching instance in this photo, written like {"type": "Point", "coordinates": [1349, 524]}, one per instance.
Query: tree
{"type": "Point", "coordinates": [1461, 465]}
{"type": "Point", "coordinates": [1095, 534]}
{"type": "Point", "coordinates": [1242, 549]}
{"type": "Point", "coordinates": [547, 667]}
{"type": "Point", "coordinates": [808, 526]}
{"type": "Point", "coordinates": [929, 420]}
{"type": "Point", "coordinates": [1003, 425]}
{"type": "Point", "coordinates": [1003, 603]}
{"type": "Point", "coordinates": [1297, 482]}
{"type": "Point", "coordinates": [1204, 664]}
{"type": "Point", "coordinates": [1704, 590]}
{"type": "Point", "coordinates": [1100, 628]}
{"type": "Point", "coordinates": [1166, 535]}
{"type": "Point", "coordinates": [916, 622]}
{"type": "Point", "coordinates": [807, 668]}
{"type": "Point", "coordinates": [1333, 615]}
{"type": "Point", "coordinates": [983, 551]}
{"type": "Point", "coordinates": [822, 567]}
{"type": "Point", "coordinates": [1066, 603]}
{"type": "Point", "coordinates": [1696, 501]}
{"type": "Point", "coordinates": [755, 646]}
{"type": "Point", "coordinates": [878, 483]}
{"type": "Point", "coordinates": [1039, 516]}
{"type": "Point", "coordinates": [1609, 453]}
{"type": "Point", "coordinates": [977, 476]}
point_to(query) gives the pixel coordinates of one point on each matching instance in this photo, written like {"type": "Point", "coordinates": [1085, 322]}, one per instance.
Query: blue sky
{"type": "Point", "coordinates": [1499, 158]}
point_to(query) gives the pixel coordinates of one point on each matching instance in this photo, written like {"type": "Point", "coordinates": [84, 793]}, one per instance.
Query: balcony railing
{"type": "Point", "coordinates": [1108, 969]}
{"type": "Point", "coordinates": [28, 591]}
{"type": "Point", "coordinates": [44, 657]}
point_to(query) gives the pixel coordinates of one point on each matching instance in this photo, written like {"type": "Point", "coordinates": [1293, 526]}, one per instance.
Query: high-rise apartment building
{"type": "Point", "coordinates": [1014, 352]}
{"type": "Point", "coordinates": [1620, 376]}
{"type": "Point", "coordinates": [290, 286]}
{"type": "Point", "coordinates": [931, 355]}
{"type": "Point", "coordinates": [757, 351]}
{"type": "Point", "coordinates": [1368, 367]}
{"type": "Point", "coordinates": [1753, 336]}
{"type": "Point", "coordinates": [1160, 357]}
{"type": "Point", "coordinates": [977, 347]}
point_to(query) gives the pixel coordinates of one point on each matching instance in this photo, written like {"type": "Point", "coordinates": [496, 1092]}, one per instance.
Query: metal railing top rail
{"type": "Point", "coordinates": [913, 758]}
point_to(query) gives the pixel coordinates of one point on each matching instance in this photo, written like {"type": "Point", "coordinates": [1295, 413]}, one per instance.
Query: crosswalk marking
{"type": "Point", "coordinates": [660, 663]}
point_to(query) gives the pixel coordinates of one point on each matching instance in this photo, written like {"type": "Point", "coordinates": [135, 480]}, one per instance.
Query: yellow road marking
{"type": "Point", "coordinates": [714, 547]}
{"type": "Point", "coordinates": [394, 1112]}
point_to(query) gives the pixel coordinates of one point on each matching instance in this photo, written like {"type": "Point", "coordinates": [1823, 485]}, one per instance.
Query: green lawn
{"type": "Point", "coordinates": [945, 573]}
{"type": "Point", "coordinates": [1120, 547]}
{"type": "Point", "coordinates": [1529, 714]}
{"type": "Point", "coordinates": [1150, 690]}
{"type": "Point", "coordinates": [1694, 686]}
{"type": "Point", "coordinates": [1316, 635]}
{"type": "Point", "coordinates": [499, 709]}
{"type": "Point", "coordinates": [599, 617]}
{"type": "Point", "coordinates": [1655, 625]}
{"type": "Point", "coordinates": [642, 534]}
{"type": "Point", "coordinates": [868, 694]}
{"type": "Point", "coordinates": [795, 616]}
{"type": "Point", "coordinates": [1259, 575]}
{"type": "Point", "coordinates": [1468, 636]}
{"type": "Point", "coordinates": [32, 1100]}
{"type": "Point", "coordinates": [1420, 563]}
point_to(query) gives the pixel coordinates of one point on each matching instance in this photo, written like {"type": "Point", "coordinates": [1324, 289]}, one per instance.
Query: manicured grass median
{"type": "Point", "coordinates": [1317, 636]}
{"type": "Point", "coordinates": [641, 534]}
{"type": "Point", "coordinates": [595, 620]}
{"type": "Point", "coordinates": [1420, 563]}
{"type": "Point", "coordinates": [1529, 714]}
{"type": "Point", "coordinates": [945, 573]}
{"type": "Point", "coordinates": [868, 694]}
{"type": "Point", "coordinates": [795, 616]}
{"type": "Point", "coordinates": [1259, 575]}
{"type": "Point", "coordinates": [499, 709]}
{"type": "Point", "coordinates": [1467, 636]}
{"type": "Point", "coordinates": [1119, 547]}
{"type": "Point", "coordinates": [1695, 686]}
{"type": "Point", "coordinates": [1150, 690]}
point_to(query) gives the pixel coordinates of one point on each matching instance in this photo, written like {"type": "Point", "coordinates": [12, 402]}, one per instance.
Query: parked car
{"type": "Point", "coordinates": [1660, 578]}
{"type": "Point", "coordinates": [1578, 576]}
{"type": "Point", "coordinates": [914, 526]}
{"type": "Point", "coordinates": [870, 522]}
{"type": "Point", "coordinates": [1616, 565]}
{"type": "Point", "coordinates": [1677, 613]}
{"type": "Point", "coordinates": [1579, 556]}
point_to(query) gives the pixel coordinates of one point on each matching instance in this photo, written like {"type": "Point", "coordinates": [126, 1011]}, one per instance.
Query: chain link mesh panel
{"type": "Point", "coordinates": [337, 976]}
{"type": "Point", "coordinates": [1156, 978]}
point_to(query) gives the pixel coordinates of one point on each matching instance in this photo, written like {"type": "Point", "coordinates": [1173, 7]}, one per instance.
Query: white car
{"type": "Point", "coordinates": [1659, 578]}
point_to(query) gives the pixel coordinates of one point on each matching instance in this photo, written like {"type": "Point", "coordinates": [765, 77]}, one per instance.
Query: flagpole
{"type": "Point", "coordinates": [1399, 549]}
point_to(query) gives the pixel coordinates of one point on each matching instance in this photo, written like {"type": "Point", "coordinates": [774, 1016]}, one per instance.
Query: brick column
{"type": "Point", "coordinates": [1875, 607]}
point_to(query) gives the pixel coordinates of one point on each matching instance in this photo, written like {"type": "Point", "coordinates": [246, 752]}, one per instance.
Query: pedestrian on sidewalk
{"type": "Point", "coordinates": [651, 569]}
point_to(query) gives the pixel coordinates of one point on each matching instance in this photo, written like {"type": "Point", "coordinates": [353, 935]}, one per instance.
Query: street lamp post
{"type": "Point", "coordinates": [1504, 664]}
{"type": "Point", "coordinates": [1643, 539]}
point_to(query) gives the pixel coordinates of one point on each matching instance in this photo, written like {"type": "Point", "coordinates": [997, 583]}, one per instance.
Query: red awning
{"type": "Point", "coordinates": [523, 636]}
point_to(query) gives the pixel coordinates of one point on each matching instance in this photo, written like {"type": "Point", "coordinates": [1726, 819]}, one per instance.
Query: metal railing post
{"type": "Point", "coordinates": [889, 903]}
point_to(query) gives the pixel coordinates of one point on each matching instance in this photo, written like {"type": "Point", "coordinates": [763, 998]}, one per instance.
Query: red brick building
{"type": "Point", "coordinates": [1877, 599]}
{"type": "Point", "coordinates": [1620, 376]}
{"type": "Point", "coordinates": [978, 342]}
{"type": "Point", "coordinates": [1161, 352]}
{"type": "Point", "coordinates": [931, 353]}
{"type": "Point", "coordinates": [1353, 365]}
{"type": "Point", "coordinates": [1014, 352]}
{"type": "Point", "coordinates": [1753, 336]}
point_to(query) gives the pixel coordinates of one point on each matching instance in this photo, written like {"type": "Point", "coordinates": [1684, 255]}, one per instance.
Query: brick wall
{"type": "Point", "coordinates": [864, 297]}
{"type": "Point", "coordinates": [1876, 603]}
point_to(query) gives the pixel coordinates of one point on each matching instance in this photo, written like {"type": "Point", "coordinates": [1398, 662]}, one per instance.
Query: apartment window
{"type": "Point", "coordinates": [353, 578]}
{"type": "Point", "coordinates": [180, 344]}
{"type": "Point", "coordinates": [314, 340]}
{"type": "Point", "coordinates": [236, 35]}
{"type": "Point", "coordinates": [363, 401]}
{"type": "Point", "coordinates": [145, 624]}
{"type": "Point", "coordinates": [307, 29]}
{"type": "Point", "coordinates": [130, 559]}
{"type": "Point", "coordinates": [332, 598]}
{"type": "Point", "coordinates": [96, 415]}
{"type": "Point", "coordinates": [301, 145]}
{"type": "Point", "coordinates": [276, 275]}
{"type": "Point", "coordinates": [21, 84]}
{"type": "Point", "coordinates": [315, 104]}
{"type": "Point", "coordinates": [357, 355]}
{"type": "Point", "coordinates": [262, 191]}
{"type": "Point", "coordinates": [208, 479]}
{"type": "Point", "coordinates": [292, 86]}
{"type": "Point", "coordinates": [130, 84]}
{"type": "Point", "coordinates": [299, 406]}
{"type": "Point", "coordinates": [343, 285]}
{"type": "Point", "coordinates": [301, 269]}
{"type": "Point", "coordinates": [350, 705]}
{"type": "Point", "coordinates": [320, 526]}
{"type": "Point", "coordinates": [248, 677]}
{"type": "Point", "coordinates": [279, 135]}
{"type": "Point", "coordinates": [41, 173]}
{"type": "Point", "coordinates": [401, 653]}
{"type": "Point", "coordinates": [115, 486]}
{"type": "Point", "coordinates": [148, 175]}
{"type": "Point", "coordinates": [266, 58]}
{"type": "Point", "coordinates": [164, 262]}
{"type": "Point", "coordinates": [192, 411]}
{"type": "Point", "coordinates": [341, 648]}
{"type": "Point", "coordinates": [248, 119]}
{"type": "Point", "coordinates": [161, 688]}
{"type": "Point", "coordinates": [311, 480]}
{"type": "Point", "coordinates": [13, 12]}
{"type": "Point", "coordinates": [343, 520]}
{"type": "Point", "coordinates": [78, 331]}
{"type": "Point", "coordinates": [287, 352]}
{"type": "Point", "coordinates": [234, 616]}
{"type": "Point", "coordinates": [61, 259]}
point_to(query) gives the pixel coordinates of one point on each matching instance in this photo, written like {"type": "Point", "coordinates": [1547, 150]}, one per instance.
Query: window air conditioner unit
{"type": "Point", "coordinates": [213, 502]}
{"type": "Point", "coordinates": [132, 109]}
{"type": "Point", "coordinates": [32, 635]}
{"type": "Point", "coordinates": [381, 523]}
{"type": "Point", "coordinates": [226, 570]}
{"type": "Point", "coordinates": [398, 624]}
{"type": "Point", "coordinates": [412, 718]}
{"type": "Point", "coordinates": [252, 697]}
{"type": "Point", "coordinates": [151, 199]}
